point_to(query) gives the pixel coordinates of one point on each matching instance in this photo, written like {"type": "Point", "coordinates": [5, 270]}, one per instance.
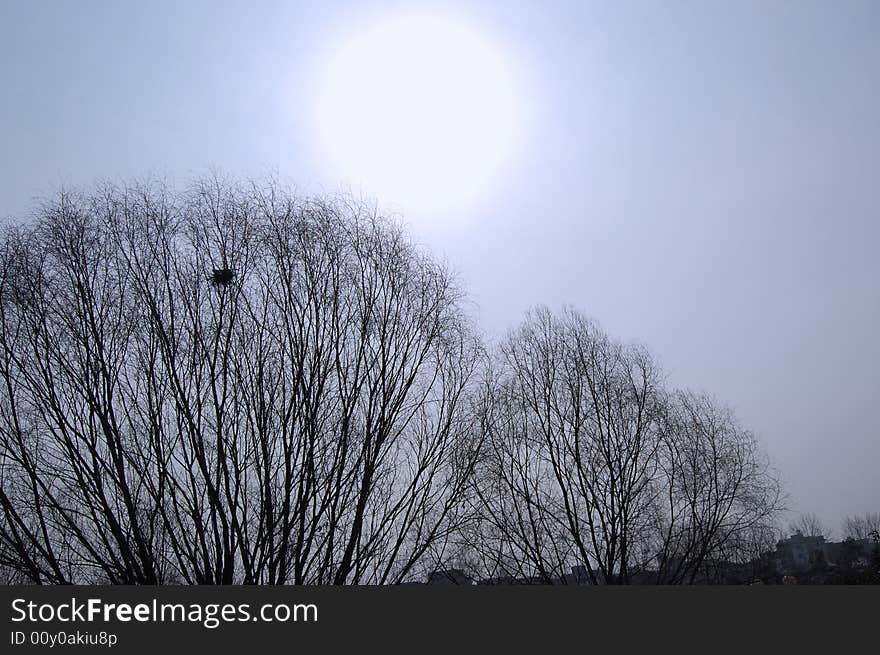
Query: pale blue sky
{"type": "Point", "coordinates": [699, 176]}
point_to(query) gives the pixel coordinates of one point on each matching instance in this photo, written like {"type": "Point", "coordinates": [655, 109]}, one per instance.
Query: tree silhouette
{"type": "Point", "coordinates": [303, 426]}
{"type": "Point", "coordinates": [594, 473]}
{"type": "Point", "coordinates": [234, 384]}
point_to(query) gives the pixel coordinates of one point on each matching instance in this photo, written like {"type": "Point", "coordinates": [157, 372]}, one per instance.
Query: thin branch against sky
{"type": "Point", "coordinates": [699, 176]}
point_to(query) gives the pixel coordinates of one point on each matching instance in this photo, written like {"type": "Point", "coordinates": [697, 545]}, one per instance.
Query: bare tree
{"type": "Point", "coordinates": [719, 496]}
{"type": "Point", "coordinates": [809, 525]}
{"type": "Point", "coordinates": [301, 416]}
{"type": "Point", "coordinates": [232, 384]}
{"type": "Point", "coordinates": [593, 473]}
{"type": "Point", "coordinates": [865, 526]}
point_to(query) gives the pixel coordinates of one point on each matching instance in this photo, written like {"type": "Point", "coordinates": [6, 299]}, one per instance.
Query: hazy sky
{"type": "Point", "coordinates": [703, 177]}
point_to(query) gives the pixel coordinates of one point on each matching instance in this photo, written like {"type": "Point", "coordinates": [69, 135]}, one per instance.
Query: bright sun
{"type": "Point", "coordinates": [419, 111]}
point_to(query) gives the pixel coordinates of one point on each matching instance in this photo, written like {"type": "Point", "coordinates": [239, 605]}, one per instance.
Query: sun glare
{"type": "Point", "coordinates": [419, 111]}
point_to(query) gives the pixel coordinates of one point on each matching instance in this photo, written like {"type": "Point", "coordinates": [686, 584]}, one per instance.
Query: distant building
{"type": "Point", "coordinates": [450, 577]}
{"type": "Point", "coordinates": [850, 551]}
{"type": "Point", "coordinates": [801, 553]}
{"type": "Point", "coordinates": [797, 559]}
{"type": "Point", "coordinates": [578, 576]}
{"type": "Point", "coordinates": [814, 559]}
{"type": "Point", "coordinates": [581, 576]}
{"type": "Point", "coordinates": [500, 580]}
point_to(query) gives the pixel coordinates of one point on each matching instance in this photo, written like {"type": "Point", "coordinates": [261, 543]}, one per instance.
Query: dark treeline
{"type": "Point", "coordinates": [233, 384]}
